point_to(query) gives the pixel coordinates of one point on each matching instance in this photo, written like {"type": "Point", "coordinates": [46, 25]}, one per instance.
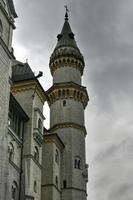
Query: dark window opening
{"type": "Point", "coordinates": [35, 186]}
{"type": "Point", "coordinates": [40, 124]}
{"type": "Point", "coordinates": [15, 123]}
{"type": "Point", "coordinates": [77, 163]}
{"type": "Point", "coordinates": [57, 156]}
{"type": "Point", "coordinates": [64, 103]}
{"type": "Point", "coordinates": [56, 181]}
{"type": "Point", "coordinates": [64, 184]}
{"type": "Point", "coordinates": [1, 28]}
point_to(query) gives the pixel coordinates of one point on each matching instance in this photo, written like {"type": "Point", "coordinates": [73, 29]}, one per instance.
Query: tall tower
{"type": "Point", "coordinates": [7, 16]}
{"type": "Point", "coordinates": [67, 100]}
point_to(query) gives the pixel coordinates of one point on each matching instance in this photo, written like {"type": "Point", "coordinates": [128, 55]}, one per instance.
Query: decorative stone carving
{"type": "Point", "coordinates": [68, 91]}
{"type": "Point", "coordinates": [66, 57]}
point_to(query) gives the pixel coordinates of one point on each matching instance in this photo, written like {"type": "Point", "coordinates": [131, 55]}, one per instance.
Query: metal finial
{"type": "Point", "coordinates": [67, 10]}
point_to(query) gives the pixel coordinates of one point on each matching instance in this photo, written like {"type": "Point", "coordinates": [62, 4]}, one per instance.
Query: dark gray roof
{"type": "Point", "coordinates": [21, 72]}
{"type": "Point", "coordinates": [12, 8]}
{"type": "Point", "coordinates": [66, 37]}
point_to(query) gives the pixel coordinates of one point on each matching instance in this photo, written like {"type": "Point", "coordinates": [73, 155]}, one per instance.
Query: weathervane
{"type": "Point", "coordinates": [67, 10]}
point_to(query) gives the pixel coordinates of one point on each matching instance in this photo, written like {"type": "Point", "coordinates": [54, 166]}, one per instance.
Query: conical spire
{"type": "Point", "coordinates": [66, 37]}
{"type": "Point", "coordinates": [66, 46]}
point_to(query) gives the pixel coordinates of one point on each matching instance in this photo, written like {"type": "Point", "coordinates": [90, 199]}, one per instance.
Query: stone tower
{"type": "Point", "coordinates": [67, 100]}
{"type": "Point", "coordinates": [7, 15]}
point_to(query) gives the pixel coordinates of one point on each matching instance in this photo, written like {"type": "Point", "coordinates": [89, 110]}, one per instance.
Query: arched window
{"type": "Point", "coordinates": [14, 191]}
{"type": "Point", "coordinates": [57, 156]}
{"type": "Point", "coordinates": [56, 181]}
{"type": "Point", "coordinates": [1, 28]}
{"type": "Point", "coordinates": [35, 186]}
{"type": "Point", "coordinates": [11, 151]}
{"type": "Point", "coordinates": [77, 162]}
{"type": "Point", "coordinates": [40, 124]}
{"type": "Point", "coordinates": [64, 184]}
{"type": "Point", "coordinates": [64, 102]}
{"type": "Point", "coordinates": [36, 154]}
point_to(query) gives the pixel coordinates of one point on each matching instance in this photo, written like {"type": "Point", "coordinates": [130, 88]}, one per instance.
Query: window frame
{"type": "Point", "coordinates": [77, 162]}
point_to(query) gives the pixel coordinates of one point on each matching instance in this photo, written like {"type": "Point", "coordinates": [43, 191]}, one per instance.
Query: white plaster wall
{"type": "Point", "coordinates": [74, 146]}
{"type": "Point", "coordinates": [49, 171]}
{"type": "Point", "coordinates": [72, 112]}
{"type": "Point", "coordinates": [67, 74]}
{"type": "Point", "coordinates": [5, 72]}
{"type": "Point", "coordinates": [32, 170]}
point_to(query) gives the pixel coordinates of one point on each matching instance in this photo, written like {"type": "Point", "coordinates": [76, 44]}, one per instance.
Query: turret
{"type": "Point", "coordinates": [67, 99]}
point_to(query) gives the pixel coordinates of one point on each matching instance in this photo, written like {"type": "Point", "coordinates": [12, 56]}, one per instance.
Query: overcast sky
{"type": "Point", "coordinates": [104, 34]}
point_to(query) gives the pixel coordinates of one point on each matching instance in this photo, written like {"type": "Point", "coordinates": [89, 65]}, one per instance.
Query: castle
{"type": "Point", "coordinates": [36, 163]}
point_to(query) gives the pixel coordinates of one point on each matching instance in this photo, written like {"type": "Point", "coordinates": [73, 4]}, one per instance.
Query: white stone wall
{"type": "Point", "coordinates": [74, 146]}
{"type": "Point", "coordinates": [50, 170]}
{"type": "Point", "coordinates": [32, 169]}
{"type": "Point", "coordinates": [5, 72]}
{"type": "Point", "coordinates": [72, 112]}
{"type": "Point", "coordinates": [67, 74]}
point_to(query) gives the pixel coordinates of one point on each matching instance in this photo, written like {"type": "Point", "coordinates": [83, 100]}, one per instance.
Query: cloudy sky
{"type": "Point", "coordinates": [104, 33]}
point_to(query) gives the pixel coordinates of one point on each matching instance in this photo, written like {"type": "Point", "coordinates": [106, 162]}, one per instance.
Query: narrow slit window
{"type": "Point", "coordinates": [57, 156]}
{"type": "Point", "coordinates": [35, 186]}
{"type": "Point", "coordinates": [77, 163]}
{"type": "Point", "coordinates": [1, 28]}
{"type": "Point", "coordinates": [64, 184]}
{"type": "Point", "coordinates": [56, 181]}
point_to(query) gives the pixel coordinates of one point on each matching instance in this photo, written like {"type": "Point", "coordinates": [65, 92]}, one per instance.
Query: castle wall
{"type": "Point", "coordinates": [5, 73]}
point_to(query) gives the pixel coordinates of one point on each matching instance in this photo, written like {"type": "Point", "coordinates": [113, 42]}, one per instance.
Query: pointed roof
{"type": "Point", "coordinates": [66, 37]}
{"type": "Point", "coordinates": [21, 71]}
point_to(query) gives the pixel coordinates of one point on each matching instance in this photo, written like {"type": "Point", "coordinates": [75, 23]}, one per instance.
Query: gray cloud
{"type": "Point", "coordinates": [122, 192]}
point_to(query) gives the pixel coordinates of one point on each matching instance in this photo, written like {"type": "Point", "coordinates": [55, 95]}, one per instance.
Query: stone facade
{"type": "Point", "coordinates": [36, 163]}
{"type": "Point", "coordinates": [67, 99]}
{"type": "Point", "coordinates": [7, 16]}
